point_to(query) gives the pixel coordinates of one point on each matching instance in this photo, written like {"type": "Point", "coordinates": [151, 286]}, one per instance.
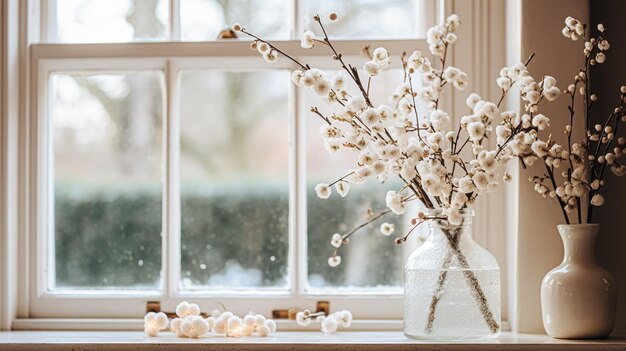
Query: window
{"type": "Point", "coordinates": [170, 165]}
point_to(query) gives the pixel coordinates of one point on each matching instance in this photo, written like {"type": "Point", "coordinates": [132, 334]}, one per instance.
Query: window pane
{"type": "Point", "coordinates": [372, 19]}
{"type": "Point", "coordinates": [110, 21]}
{"type": "Point", "coordinates": [204, 19]}
{"type": "Point", "coordinates": [234, 179]}
{"type": "Point", "coordinates": [106, 135]}
{"type": "Point", "coordinates": [370, 259]}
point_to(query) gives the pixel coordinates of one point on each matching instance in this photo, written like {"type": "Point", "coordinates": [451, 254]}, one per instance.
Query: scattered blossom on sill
{"type": "Point", "coordinates": [328, 324]}
{"type": "Point", "coordinates": [190, 323]}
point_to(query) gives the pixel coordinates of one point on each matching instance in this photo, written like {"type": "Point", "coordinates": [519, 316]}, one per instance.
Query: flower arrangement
{"type": "Point", "coordinates": [445, 167]}
{"type": "Point", "coordinates": [583, 163]}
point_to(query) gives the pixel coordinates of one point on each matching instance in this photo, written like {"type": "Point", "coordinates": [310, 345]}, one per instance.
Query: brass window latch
{"type": "Point", "coordinates": [320, 306]}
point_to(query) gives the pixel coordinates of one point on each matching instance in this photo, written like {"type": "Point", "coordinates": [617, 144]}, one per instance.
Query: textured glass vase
{"type": "Point", "coordinates": [451, 285]}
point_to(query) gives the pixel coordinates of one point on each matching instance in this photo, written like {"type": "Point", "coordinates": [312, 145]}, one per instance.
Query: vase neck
{"type": "Point", "coordinates": [579, 241]}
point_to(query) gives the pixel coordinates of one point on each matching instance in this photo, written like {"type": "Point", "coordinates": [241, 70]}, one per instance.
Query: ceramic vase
{"type": "Point", "coordinates": [578, 298]}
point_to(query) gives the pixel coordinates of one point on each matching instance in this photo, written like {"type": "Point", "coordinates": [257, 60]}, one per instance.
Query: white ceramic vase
{"type": "Point", "coordinates": [578, 298]}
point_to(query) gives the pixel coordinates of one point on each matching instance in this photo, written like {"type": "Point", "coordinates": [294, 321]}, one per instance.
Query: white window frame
{"type": "Point", "coordinates": [36, 304]}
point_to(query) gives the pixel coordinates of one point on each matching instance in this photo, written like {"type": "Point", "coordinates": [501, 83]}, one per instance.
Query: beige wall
{"type": "Point", "coordinates": [537, 242]}
{"type": "Point", "coordinates": [609, 77]}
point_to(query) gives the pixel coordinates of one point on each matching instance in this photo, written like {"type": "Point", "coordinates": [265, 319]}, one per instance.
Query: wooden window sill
{"type": "Point", "coordinates": [136, 341]}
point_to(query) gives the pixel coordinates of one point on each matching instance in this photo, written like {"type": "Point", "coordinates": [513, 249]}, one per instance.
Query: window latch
{"type": "Point", "coordinates": [320, 306]}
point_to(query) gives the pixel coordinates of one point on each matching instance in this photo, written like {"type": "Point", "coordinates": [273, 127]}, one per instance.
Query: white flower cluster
{"type": "Point", "coordinates": [329, 324]}
{"type": "Point", "coordinates": [153, 323]}
{"type": "Point", "coordinates": [445, 167]}
{"type": "Point", "coordinates": [439, 36]}
{"type": "Point", "coordinates": [394, 140]}
{"type": "Point", "coordinates": [573, 29]}
{"type": "Point", "coordinates": [380, 60]}
{"type": "Point", "coordinates": [190, 323]}
{"type": "Point", "coordinates": [582, 162]}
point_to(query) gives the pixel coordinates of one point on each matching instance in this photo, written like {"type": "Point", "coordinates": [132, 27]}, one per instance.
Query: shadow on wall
{"type": "Point", "coordinates": [606, 83]}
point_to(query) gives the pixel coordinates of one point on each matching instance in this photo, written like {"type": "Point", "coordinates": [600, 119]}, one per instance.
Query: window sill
{"type": "Point", "coordinates": [61, 340]}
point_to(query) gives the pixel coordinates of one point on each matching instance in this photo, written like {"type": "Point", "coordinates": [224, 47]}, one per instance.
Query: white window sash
{"type": "Point", "coordinates": [170, 57]}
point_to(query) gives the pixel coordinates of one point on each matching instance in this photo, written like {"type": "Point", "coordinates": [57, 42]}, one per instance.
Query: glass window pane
{"type": "Point", "coordinates": [371, 19]}
{"type": "Point", "coordinates": [106, 136]}
{"type": "Point", "coordinates": [203, 20]}
{"type": "Point", "coordinates": [234, 179]}
{"type": "Point", "coordinates": [370, 259]}
{"type": "Point", "coordinates": [110, 21]}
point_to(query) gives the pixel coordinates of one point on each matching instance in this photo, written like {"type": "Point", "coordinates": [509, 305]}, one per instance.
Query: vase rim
{"type": "Point", "coordinates": [585, 225]}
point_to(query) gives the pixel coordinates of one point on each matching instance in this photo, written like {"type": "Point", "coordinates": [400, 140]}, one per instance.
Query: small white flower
{"type": "Point", "coordinates": [540, 148]}
{"type": "Point", "coordinates": [372, 68]}
{"type": "Point", "coordinates": [619, 170]}
{"type": "Point", "coordinates": [387, 228]}
{"type": "Point", "coordinates": [321, 87]}
{"type": "Point", "coordinates": [541, 122]}
{"type": "Point", "coordinates": [332, 145]}
{"type": "Point", "coordinates": [380, 55]}
{"type": "Point", "coordinates": [452, 38]}
{"type": "Point", "coordinates": [552, 93]}
{"type": "Point", "coordinates": [504, 83]}
{"type": "Point", "coordinates": [175, 326]}
{"type": "Point", "coordinates": [271, 325]}
{"type": "Point", "coordinates": [234, 323]}
{"type": "Point", "coordinates": [220, 327]}
{"type": "Point", "coordinates": [249, 320]}
{"type": "Point", "coordinates": [356, 104]}
{"type": "Point", "coordinates": [472, 100]}
{"type": "Point", "coordinates": [342, 188]}
{"type": "Point", "coordinates": [370, 116]}
{"type": "Point", "coordinates": [339, 81]}
{"type": "Point", "coordinates": [308, 40]}
{"type": "Point", "coordinates": [302, 318]}
{"type": "Point", "coordinates": [503, 132]}
{"type": "Point", "coordinates": [466, 185]}
{"type": "Point", "coordinates": [263, 48]}
{"type": "Point", "coordinates": [323, 191]}
{"type": "Point", "coordinates": [329, 325]}
{"type": "Point", "coordinates": [394, 202]}
{"type": "Point", "coordinates": [336, 240]}
{"type": "Point", "coordinates": [604, 45]}
{"type": "Point", "coordinates": [271, 56]}
{"type": "Point", "coordinates": [597, 200]}
{"type": "Point", "coordinates": [263, 331]}
{"type": "Point", "coordinates": [506, 177]}
{"type": "Point", "coordinates": [481, 180]}
{"type": "Point", "coordinates": [476, 131]}
{"type": "Point", "coordinates": [454, 217]}
{"type": "Point", "coordinates": [344, 318]}
{"type": "Point", "coordinates": [440, 120]}
{"type": "Point", "coordinates": [334, 261]}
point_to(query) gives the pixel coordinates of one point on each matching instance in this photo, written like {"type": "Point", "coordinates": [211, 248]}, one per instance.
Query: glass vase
{"type": "Point", "coordinates": [451, 285]}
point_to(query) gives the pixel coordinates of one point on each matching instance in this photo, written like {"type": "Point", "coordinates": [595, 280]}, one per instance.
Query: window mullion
{"type": "Point", "coordinates": [171, 194]}
{"type": "Point", "coordinates": [294, 20]}
{"type": "Point", "coordinates": [174, 20]}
